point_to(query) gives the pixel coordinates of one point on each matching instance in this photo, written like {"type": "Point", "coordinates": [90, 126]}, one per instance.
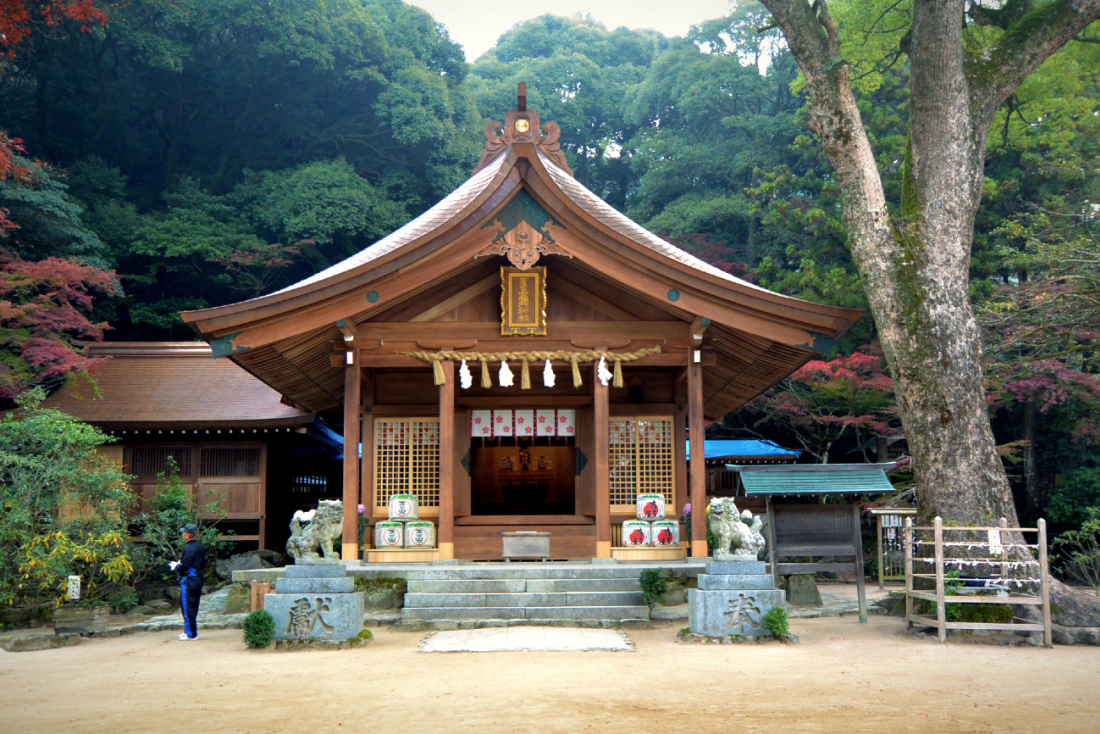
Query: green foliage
{"type": "Point", "coordinates": [775, 621]}
{"type": "Point", "coordinates": [259, 629]}
{"type": "Point", "coordinates": [1076, 495]}
{"type": "Point", "coordinates": [1080, 550]}
{"type": "Point", "coordinates": [653, 585]}
{"type": "Point", "coordinates": [171, 508]}
{"type": "Point", "coordinates": [123, 599]}
{"type": "Point", "coordinates": [63, 508]}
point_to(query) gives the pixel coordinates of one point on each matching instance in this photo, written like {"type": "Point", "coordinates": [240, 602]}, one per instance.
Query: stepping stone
{"type": "Point", "coordinates": [542, 639]}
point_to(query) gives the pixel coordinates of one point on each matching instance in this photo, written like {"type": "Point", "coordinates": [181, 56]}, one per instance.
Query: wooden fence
{"type": "Point", "coordinates": [998, 556]}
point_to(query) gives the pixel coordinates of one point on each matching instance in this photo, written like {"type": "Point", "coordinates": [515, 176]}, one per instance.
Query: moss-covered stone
{"type": "Point", "coordinates": [382, 593]}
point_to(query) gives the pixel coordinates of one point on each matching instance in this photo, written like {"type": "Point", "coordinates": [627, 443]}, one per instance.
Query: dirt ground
{"type": "Point", "coordinates": [844, 677]}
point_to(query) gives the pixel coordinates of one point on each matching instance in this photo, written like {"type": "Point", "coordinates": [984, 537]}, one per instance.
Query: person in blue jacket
{"type": "Point", "coordinates": [190, 568]}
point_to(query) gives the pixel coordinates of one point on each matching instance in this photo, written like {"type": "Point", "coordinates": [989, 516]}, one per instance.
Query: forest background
{"type": "Point", "coordinates": [165, 155]}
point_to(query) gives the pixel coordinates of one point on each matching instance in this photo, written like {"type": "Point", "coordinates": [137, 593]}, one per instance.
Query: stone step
{"type": "Point", "coordinates": [527, 571]}
{"type": "Point", "coordinates": [745, 581]}
{"type": "Point", "coordinates": [545, 614]}
{"type": "Point", "coordinates": [567, 599]}
{"type": "Point", "coordinates": [519, 586]}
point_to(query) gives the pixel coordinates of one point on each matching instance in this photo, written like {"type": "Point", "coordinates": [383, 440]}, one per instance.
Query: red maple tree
{"type": "Point", "coordinates": [44, 306]}
{"type": "Point", "coordinates": [20, 18]}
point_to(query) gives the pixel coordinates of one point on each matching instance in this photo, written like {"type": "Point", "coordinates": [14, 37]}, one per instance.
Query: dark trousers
{"type": "Point", "coordinates": [189, 601]}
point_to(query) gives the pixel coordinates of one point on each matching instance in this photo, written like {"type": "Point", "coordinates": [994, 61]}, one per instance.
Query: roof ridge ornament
{"type": "Point", "coordinates": [523, 245]}
{"type": "Point", "coordinates": [521, 125]}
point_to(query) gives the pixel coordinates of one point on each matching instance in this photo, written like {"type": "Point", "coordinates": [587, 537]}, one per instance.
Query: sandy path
{"type": "Point", "coordinates": [844, 677]}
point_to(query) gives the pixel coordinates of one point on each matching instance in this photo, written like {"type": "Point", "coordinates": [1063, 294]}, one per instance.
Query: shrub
{"type": "Point", "coordinates": [1081, 550]}
{"type": "Point", "coordinates": [259, 629]}
{"type": "Point", "coordinates": [653, 585]}
{"type": "Point", "coordinates": [775, 621]}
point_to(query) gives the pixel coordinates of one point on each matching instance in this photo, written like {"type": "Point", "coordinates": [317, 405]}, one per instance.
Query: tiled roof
{"type": "Point", "coordinates": [178, 384]}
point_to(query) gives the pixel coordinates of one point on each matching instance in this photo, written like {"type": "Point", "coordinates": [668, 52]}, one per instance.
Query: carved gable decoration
{"type": "Point", "coordinates": [522, 126]}
{"type": "Point", "coordinates": [522, 245]}
{"type": "Point", "coordinates": [523, 235]}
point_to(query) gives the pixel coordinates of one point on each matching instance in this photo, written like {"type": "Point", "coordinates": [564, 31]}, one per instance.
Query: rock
{"type": "Point", "coordinates": [668, 613]}
{"type": "Point", "coordinates": [1075, 635]}
{"type": "Point", "coordinates": [142, 609]}
{"type": "Point", "coordinates": [160, 606]}
{"type": "Point", "coordinates": [33, 615]}
{"type": "Point", "coordinates": [276, 559]}
{"type": "Point", "coordinates": [802, 591]}
{"type": "Point", "coordinates": [240, 562]}
{"type": "Point", "coordinates": [674, 597]}
{"type": "Point", "coordinates": [172, 594]}
{"type": "Point", "coordinates": [30, 643]}
{"type": "Point", "coordinates": [238, 600]}
{"type": "Point", "coordinates": [1071, 607]}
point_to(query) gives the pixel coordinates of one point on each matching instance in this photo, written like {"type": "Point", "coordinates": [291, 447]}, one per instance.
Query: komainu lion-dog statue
{"type": "Point", "coordinates": [738, 534]}
{"type": "Point", "coordinates": [326, 524]}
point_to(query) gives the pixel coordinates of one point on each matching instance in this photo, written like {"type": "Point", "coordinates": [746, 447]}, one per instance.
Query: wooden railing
{"type": "Point", "coordinates": [1002, 558]}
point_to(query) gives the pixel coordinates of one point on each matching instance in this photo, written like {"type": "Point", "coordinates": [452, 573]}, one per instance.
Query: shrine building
{"type": "Point", "coordinates": [521, 357]}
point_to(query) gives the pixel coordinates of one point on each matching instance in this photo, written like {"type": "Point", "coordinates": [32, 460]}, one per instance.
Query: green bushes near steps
{"type": "Point", "coordinates": [653, 585]}
{"type": "Point", "coordinates": [259, 629]}
{"type": "Point", "coordinates": [775, 621]}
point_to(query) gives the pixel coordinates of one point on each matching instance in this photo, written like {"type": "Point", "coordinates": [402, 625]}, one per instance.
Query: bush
{"type": "Point", "coordinates": [62, 508]}
{"type": "Point", "coordinates": [653, 586]}
{"type": "Point", "coordinates": [170, 509]}
{"type": "Point", "coordinates": [1080, 550]}
{"type": "Point", "coordinates": [775, 621]}
{"type": "Point", "coordinates": [259, 629]}
{"type": "Point", "coordinates": [123, 599]}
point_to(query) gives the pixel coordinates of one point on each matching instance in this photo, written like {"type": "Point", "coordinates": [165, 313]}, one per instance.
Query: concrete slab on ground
{"type": "Point", "coordinates": [534, 639]}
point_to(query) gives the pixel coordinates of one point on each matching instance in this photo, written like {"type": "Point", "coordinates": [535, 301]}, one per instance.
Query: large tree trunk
{"type": "Point", "coordinates": [915, 266]}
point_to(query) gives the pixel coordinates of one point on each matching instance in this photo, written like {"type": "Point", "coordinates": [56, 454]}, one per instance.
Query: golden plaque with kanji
{"type": "Point", "coordinates": [523, 301]}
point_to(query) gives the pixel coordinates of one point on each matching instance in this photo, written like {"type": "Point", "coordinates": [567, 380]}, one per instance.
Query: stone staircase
{"type": "Point", "coordinates": [547, 594]}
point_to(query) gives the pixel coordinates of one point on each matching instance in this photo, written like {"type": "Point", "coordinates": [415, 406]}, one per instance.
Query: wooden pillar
{"type": "Point", "coordinates": [601, 460]}
{"type": "Point", "coordinates": [351, 455]}
{"type": "Point", "coordinates": [366, 438]}
{"type": "Point", "coordinates": [857, 546]}
{"type": "Point", "coordinates": [447, 462]}
{"type": "Point", "coordinates": [698, 457]}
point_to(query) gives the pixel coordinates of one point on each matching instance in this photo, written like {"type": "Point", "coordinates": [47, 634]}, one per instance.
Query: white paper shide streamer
{"type": "Point", "coordinates": [464, 375]}
{"type": "Point", "coordinates": [603, 373]}
{"type": "Point", "coordinates": [548, 375]}
{"type": "Point", "coordinates": [505, 376]}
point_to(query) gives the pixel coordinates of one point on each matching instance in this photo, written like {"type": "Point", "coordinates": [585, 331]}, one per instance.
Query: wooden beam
{"type": "Point", "coordinates": [352, 382]}
{"type": "Point", "coordinates": [347, 328]}
{"type": "Point", "coordinates": [602, 464]}
{"type": "Point", "coordinates": [555, 330]}
{"type": "Point", "coordinates": [446, 461]}
{"type": "Point", "coordinates": [698, 326]}
{"type": "Point", "coordinates": [450, 304]}
{"type": "Point", "coordinates": [698, 459]}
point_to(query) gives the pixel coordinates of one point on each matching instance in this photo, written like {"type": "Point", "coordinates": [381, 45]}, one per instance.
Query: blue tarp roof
{"type": "Point", "coordinates": [816, 479]}
{"type": "Point", "coordinates": [715, 449]}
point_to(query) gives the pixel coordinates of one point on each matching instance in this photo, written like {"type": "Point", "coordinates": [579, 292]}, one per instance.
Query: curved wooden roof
{"type": "Point", "coordinates": [285, 338]}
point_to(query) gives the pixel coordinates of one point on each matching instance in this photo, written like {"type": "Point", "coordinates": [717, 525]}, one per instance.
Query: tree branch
{"type": "Point", "coordinates": [1029, 39]}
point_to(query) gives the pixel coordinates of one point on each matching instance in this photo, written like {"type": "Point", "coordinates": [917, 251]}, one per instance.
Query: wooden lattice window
{"type": "Point", "coordinates": [151, 461]}
{"type": "Point", "coordinates": [235, 462]}
{"type": "Point", "coordinates": [406, 461]}
{"type": "Point", "coordinates": [641, 459]}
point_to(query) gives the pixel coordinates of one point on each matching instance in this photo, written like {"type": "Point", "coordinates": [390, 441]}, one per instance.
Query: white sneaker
{"type": "Point", "coordinates": [184, 636]}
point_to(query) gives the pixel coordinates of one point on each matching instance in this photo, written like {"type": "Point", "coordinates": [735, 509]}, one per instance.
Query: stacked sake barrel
{"type": "Point", "coordinates": [651, 529]}
{"type": "Point", "coordinates": [404, 529]}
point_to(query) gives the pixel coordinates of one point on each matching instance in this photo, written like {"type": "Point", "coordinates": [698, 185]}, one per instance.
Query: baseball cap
{"type": "Point", "coordinates": [190, 528]}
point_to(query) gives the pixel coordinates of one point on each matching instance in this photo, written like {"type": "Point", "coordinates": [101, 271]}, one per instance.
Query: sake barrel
{"type": "Point", "coordinates": [419, 534]}
{"type": "Point", "coordinates": [651, 507]}
{"type": "Point", "coordinates": [389, 534]}
{"type": "Point", "coordinates": [404, 507]}
{"type": "Point", "coordinates": [636, 533]}
{"type": "Point", "coordinates": [666, 533]}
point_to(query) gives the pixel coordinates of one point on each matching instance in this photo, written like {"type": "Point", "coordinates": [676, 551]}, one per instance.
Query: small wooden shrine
{"type": "Point", "coordinates": [521, 357]}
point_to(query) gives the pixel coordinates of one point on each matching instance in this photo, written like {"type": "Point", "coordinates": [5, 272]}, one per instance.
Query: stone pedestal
{"type": "Point", "coordinates": [732, 599]}
{"type": "Point", "coordinates": [316, 602]}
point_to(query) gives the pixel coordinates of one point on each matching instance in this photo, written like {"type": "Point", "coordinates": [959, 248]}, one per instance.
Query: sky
{"type": "Point", "coordinates": [478, 25]}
